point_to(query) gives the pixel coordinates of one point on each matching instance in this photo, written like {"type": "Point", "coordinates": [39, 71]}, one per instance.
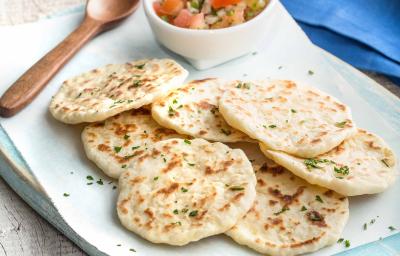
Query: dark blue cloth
{"type": "Point", "coordinates": [364, 33]}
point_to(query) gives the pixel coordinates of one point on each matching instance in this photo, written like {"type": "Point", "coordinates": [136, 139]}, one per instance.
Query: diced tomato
{"type": "Point", "coordinates": [158, 9]}
{"type": "Point", "coordinates": [183, 19]}
{"type": "Point", "coordinates": [171, 7]}
{"type": "Point", "coordinates": [197, 21]}
{"type": "Point", "coordinates": [216, 4]}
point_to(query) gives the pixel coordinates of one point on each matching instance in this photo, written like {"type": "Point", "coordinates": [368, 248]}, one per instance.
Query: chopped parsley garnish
{"type": "Point", "coordinates": [243, 85]}
{"type": "Point", "coordinates": [132, 250]}
{"type": "Point", "coordinates": [117, 149]}
{"type": "Point", "coordinates": [226, 132]}
{"type": "Point", "coordinates": [272, 126]}
{"type": "Point", "coordinates": [193, 213]}
{"type": "Point", "coordinates": [171, 111]}
{"type": "Point", "coordinates": [284, 209]}
{"type": "Point", "coordinates": [126, 136]}
{"type": "Point", "coordinates": [187, 141]}
{"type": "Point", "coordinates": [340, 240]}
{"type": "Point", "coordinates": [184, 190]}
{"type": "Point", "coordinates": [391, 228]}
{"type": "Point", "coordinates": [66, 194]}
{"type": "Point", "coordinates": [293, 110]}
{"type": "Point", "coordinates": [310, 72]}
{"type": "Point", "coordinates": [89, 177]}
{"type": "Point", "coordinates": [155, 178]}
{"type": "Point", "coordinates": [185, 210]}
{"type": "Point", "coordinates": [195, 4]}
{"type": "Point", "coordinates": [164, 159]}
{"type": "Point", "coordinates": [319, 199]}
{"type": "Point", "coordinates": [347, 243]}
{"type": "Point", "coordinates": [344, 170]}
{"type": "Point", "coordinates": [141, 66]}
{"type": "Point", "coordinates": [123, 166]}
{"type": "Point", "coordinates": [135, 147]}
{"type": "Point", "coordinates": [313, 163]}
{"type": "Point", "coordinates": [303, 208]}
{"type": "Point", "coordinates": [191, 164]}
{"type": "Point", "coordinates": [89, 183]}
{"type": "Point", "coordinates": [254, 53]}
{"type": "Point", "coordinates": [236, 188]}
{"type": "Point", "coordinates": [280, 67]}
{"type": "Point", "coordinates": [341, 124]}
{"type": "Point", "coordinates": [365, 226]}
{"type": "Point", "coordinates": [174, 101]}
{"type": "Point", "coordinates": [230, 12]}
{"type": "Point", "coordinates": [176, 211]}
{"type": "Point", "coordinates": [179, 223]}
{"type": "Point", "coordinates": [384, 162]}
{"type": "Point", "coordinates": [372, 221]}
{"type": "Point", "coordinates": [100, 182]}
{"type": "Point", "coordinates": [118, 244]}
{"type": "Point", "coordinates": [114, 187]}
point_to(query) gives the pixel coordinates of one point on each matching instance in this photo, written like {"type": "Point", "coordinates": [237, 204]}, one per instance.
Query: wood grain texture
{"type": "Point", "coordinates": [24, 232]}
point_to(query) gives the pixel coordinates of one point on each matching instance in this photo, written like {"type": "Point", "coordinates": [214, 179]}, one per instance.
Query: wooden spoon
{"type": "Point", "coordinates": [100, 15]}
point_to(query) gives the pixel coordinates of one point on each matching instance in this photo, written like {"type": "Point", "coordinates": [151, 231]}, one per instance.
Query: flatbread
{"type": "Point", "coordinates": [193, 110]}
{"type": "Point", "coordinates": [182, 191]}
{"type": "Point", "coordinates": [362, 164]}
{"type": "Point", "coordinates": [289, 215]}
{"type": "Point", "coordinates": [114, 143]}
{"type": "Point", "coordinates": [296, 119]}
{"type": "Point", "coordinates": [107, 91]}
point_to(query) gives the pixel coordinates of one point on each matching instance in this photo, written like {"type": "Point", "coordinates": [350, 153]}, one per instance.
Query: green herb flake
{"type": "Point", "coordinates": [341, 124]}
{"type": "Point", "coordinates": [344, 170]}
{"type": "Point", "coordinates": [117, 149]}
{"type": "Point", "coordinates": [372, 221]}
{"type": "Point", "coordinates": [174, 101]}
{"type": "Point", "coordinates": [236, 188]}
{"type": "Point", "coordinates": [191, 164]}
{"type": "Point", "coordinates": [184, 210]}
{"type": "Point", "coordinates": [293, 111]}
{"type": "Point", "coordinates": [176, 211]}
{"type": "Point", "coordinates": [272, 126]}
{"type": "Point", "coordinates": [89, 183]}
{"type": "Point", "coordinates": [126, 136]}
{"type": "Point", "coordinates": [118, 244]}
{"type": "Point", "coordinates": [340, 240]}
{"type": "Point", "coordinates": [114, 187]}
{"type": "Point", "coordinates": [365, 226]}
{"type": "Point", "coordinates": [391, 228]}
{"type": "Point", "coordinates": [66, 194]}
{"type": "Point", "coordinates": [303, 208]}
{"type": "Point", "coordinates": [141, 66]}
{"type": "Point", "coordinates": [155, 178]}
{"type": "Point", "coordinates": [171, 111]}
{"type": "Point", "coordinates": [193, 213]}
{"type": "Point", "coordinates": [123, 166]}
{"type": "Point", "coordinates": [132, 250]}
{"type": "Point", "coordinates": [313, 163]}
{"type": "Point", "coordinates": [135, 147]}
{"type": "Point", "coordinates": [226, 132]}
{"type": "Point", "coordinates": [89, 177]}
{"type": "Point", "coordinates": [187, 141]}
{"type": "Point", "coordinates": [164, 159]}
{"type": "Point", "coordinates": [319, 199]}
{"type": "Point", "coordinates": [284, 209]}
{"type": "Point", "coordinates": [184, 190]}
{"type": "Point", "coordinates": [100, 182]}
{"type": "Point", "coordinates": [310, 72]}
{"type": "Point", "coordinates": [195, 4]}
{"type": "Point", "coordinates": [347, 243]}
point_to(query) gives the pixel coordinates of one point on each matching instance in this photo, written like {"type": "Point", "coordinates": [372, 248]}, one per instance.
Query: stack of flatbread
{"type": "Point", "coordinates": [179, 182]}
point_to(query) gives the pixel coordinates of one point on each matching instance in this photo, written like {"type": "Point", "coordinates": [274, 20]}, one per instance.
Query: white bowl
{"type": "Point", "coordinates": [208, 48]}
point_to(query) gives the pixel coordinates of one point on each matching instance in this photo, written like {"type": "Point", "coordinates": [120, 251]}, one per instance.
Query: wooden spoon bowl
{"type": "Point", "coordinates": [100, 16]}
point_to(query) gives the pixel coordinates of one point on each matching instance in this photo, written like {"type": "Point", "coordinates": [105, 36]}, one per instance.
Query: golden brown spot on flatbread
{"type": "Point", "coordinates": [329, 193]}
{"type": "Point", "coordinates": [103, 148]}
{"type": "Point", "coordinates": [205, 105]}
{"type": "Point", "coordinates": [137, 179]}
{"type": "Point", "coordinates": [314, 141]}
{"type": "Point", "coordinates": [201, 215]}
{"type": "Point", "coordinates": [316, 218]}
{"type": "Point", "coordinates": [237, 197]}
{"type": "Point", "coordinates": [122, 205]}
{"type": "Point", "coordinates": [225, 207]}
{"type": "Point", "coordinates": [168, 190]}
{"type": "Point", "coordinates": [149, 213]}
{"type": "Point", "coordinates": [260, 182]}
{"type": "Point", "coordinates": [174, 162]}
{"type": "Point", "coordinates": [272, 202]}
{"type": "Point", "coordinates": [309, 241]}
{"type": "Point", "coordinates": [287, 199]}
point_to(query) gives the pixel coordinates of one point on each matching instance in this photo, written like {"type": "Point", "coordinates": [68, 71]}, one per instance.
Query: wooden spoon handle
{"type": "Point", "coordinates": [28, 86]}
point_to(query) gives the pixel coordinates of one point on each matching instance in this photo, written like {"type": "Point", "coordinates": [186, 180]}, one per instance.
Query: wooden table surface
{"type": "Point", "coordinates": [22, 230]}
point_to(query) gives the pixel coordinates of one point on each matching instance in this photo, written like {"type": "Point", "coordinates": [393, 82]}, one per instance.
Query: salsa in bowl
{"type": "Point", "coordinates": [208, 14]}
